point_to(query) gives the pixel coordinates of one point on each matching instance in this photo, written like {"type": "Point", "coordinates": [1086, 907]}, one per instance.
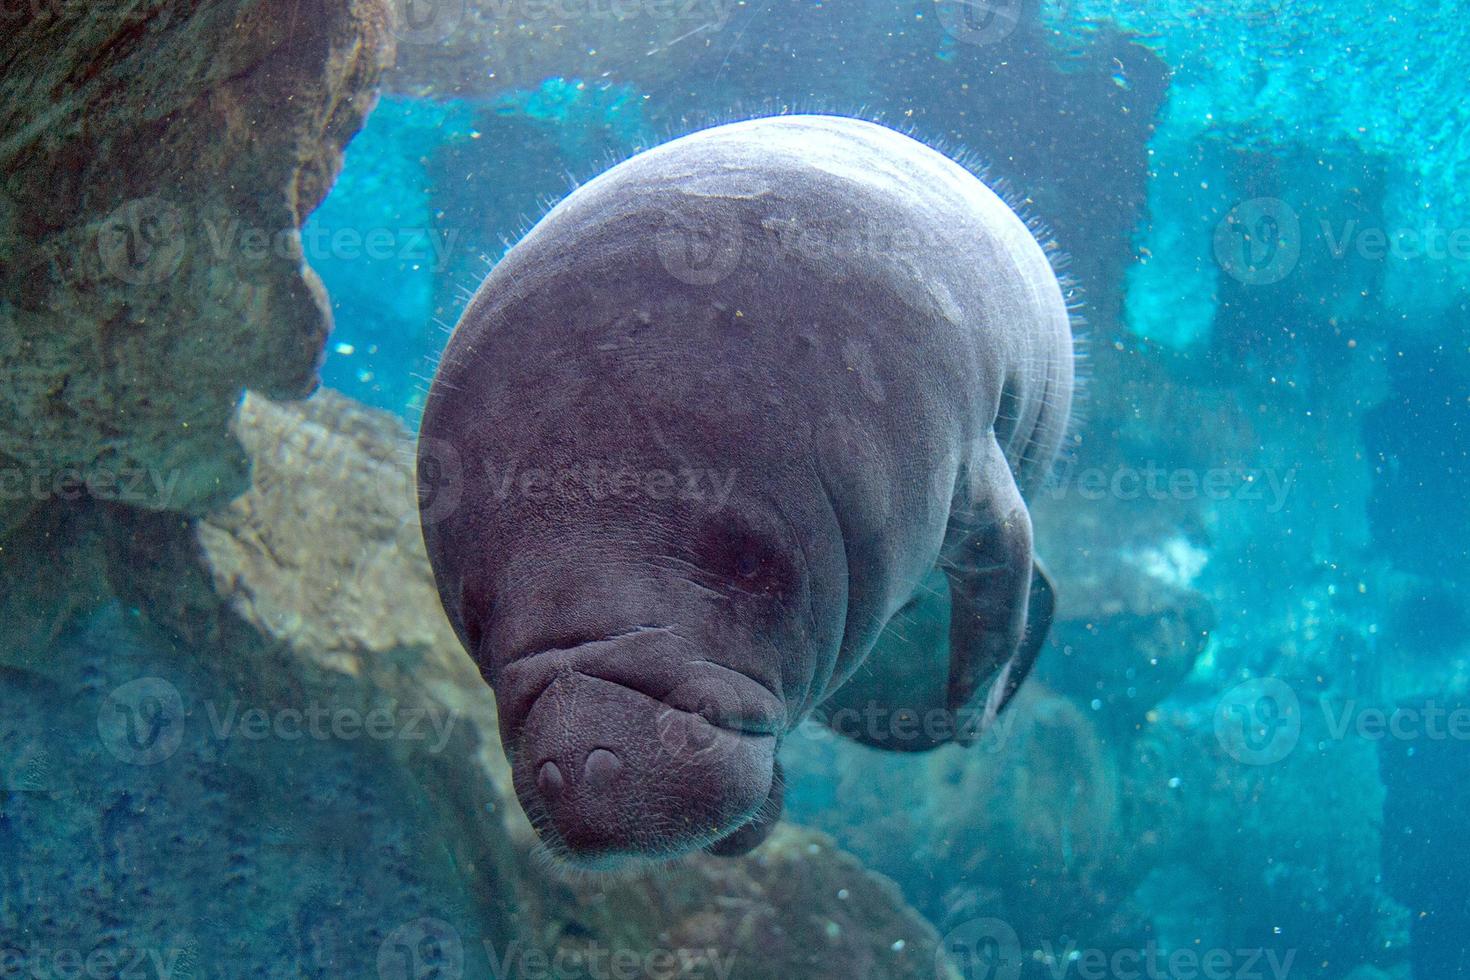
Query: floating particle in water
{"type": "Point", "coordinates": [1120, 77]}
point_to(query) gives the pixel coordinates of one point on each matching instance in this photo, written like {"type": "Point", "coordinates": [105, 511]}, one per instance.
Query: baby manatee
{"type": "Point", "coordinates": [710, 426]}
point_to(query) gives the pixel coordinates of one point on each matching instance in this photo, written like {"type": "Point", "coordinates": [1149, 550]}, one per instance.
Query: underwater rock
{"type": "Point", "coordinates": [323, 554]}
{"type": "Point", "coordinates": [796, 907]}
{"type": "Point", "coordinates": [1033, 820]}
{"type": "Point", "coordinates": [230, 841]}
{"type": "Point", "coordinates": [1129, 624]}
{"type": "Point", "coordinates": [53, 564]}
{"type": "Point", "coordinates": [320, 565]}
{"type": "Point", "coordinates": [1287, 840]}
{"type": "Point", "coordinates": [159, 158]}
{"type": "Point", "coordinates": [185, 815]}
{"type": "Point", "coordinates": [1068, 834]}
{"type": "Point", "coordinates": [197, 780]}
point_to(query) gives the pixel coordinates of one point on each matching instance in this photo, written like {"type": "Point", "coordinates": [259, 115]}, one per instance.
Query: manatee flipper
{"type": "Point", "coordinates": [990, 564]}
{"type": "Point", "coordinates": [1041, 606]}
{"type": "Point", "coordinates": [748, 836]}
{"type": "Point", "coordinates": [982, 613]}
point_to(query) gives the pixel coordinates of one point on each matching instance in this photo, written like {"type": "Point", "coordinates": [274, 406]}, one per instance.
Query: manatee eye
{"type": "Point", "coordinates": [740, 559]}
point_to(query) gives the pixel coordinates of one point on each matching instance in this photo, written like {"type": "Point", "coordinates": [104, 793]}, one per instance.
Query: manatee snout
{"type": "Point", "coordinates": [618, 752]}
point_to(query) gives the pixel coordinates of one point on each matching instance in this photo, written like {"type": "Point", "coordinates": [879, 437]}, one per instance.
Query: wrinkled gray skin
{"type": "Point", "coordinates": [862, 356]}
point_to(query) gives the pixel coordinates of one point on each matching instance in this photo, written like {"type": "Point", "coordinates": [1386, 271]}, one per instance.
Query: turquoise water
{"type": "Point", "coordinates": [1264, 206]}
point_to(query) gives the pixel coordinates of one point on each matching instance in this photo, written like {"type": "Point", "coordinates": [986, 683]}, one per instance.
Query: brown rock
{"type": "Point", "coordinates": [313, 587]}
{"type": "Point", "coordinates": [795, 907]}
{"type": "Point", "coordinates": [159, 158]}
{"type": "Point", "coordinates": [314, 584]}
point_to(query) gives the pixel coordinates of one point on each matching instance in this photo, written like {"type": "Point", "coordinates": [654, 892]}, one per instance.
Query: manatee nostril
{"type": "Point", "coordinates": [601, 768]}
{"type": "Point", "coordinates": [549, 781]}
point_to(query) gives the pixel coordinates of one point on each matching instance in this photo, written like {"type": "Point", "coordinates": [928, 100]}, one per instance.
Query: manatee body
{"type": "Point", "coordinates": [699, 440]}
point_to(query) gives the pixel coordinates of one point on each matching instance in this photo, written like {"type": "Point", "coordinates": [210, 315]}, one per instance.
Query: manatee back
{"type": "Point", "coordinates": [868, 264]}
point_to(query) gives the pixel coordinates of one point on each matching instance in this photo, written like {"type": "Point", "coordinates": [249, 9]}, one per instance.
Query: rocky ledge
{"type": "Point", "coordinates": [159, 157]}
{"type": "Point", "coordinates": [295, 762]}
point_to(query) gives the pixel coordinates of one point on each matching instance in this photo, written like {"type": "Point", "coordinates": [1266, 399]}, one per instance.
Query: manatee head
{"type": "Point", "coordinates": [652, 618]}
{"type": "Point", "coordinates": [691, 443]}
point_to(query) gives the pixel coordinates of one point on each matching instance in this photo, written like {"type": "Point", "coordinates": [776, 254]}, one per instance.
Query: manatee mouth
{"type": "Point", "coordinates": [618, 758]}
{"type": "Point", "coordinates": [725, 697]}
{"type": "Point", "coordinates": [738, 718]}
